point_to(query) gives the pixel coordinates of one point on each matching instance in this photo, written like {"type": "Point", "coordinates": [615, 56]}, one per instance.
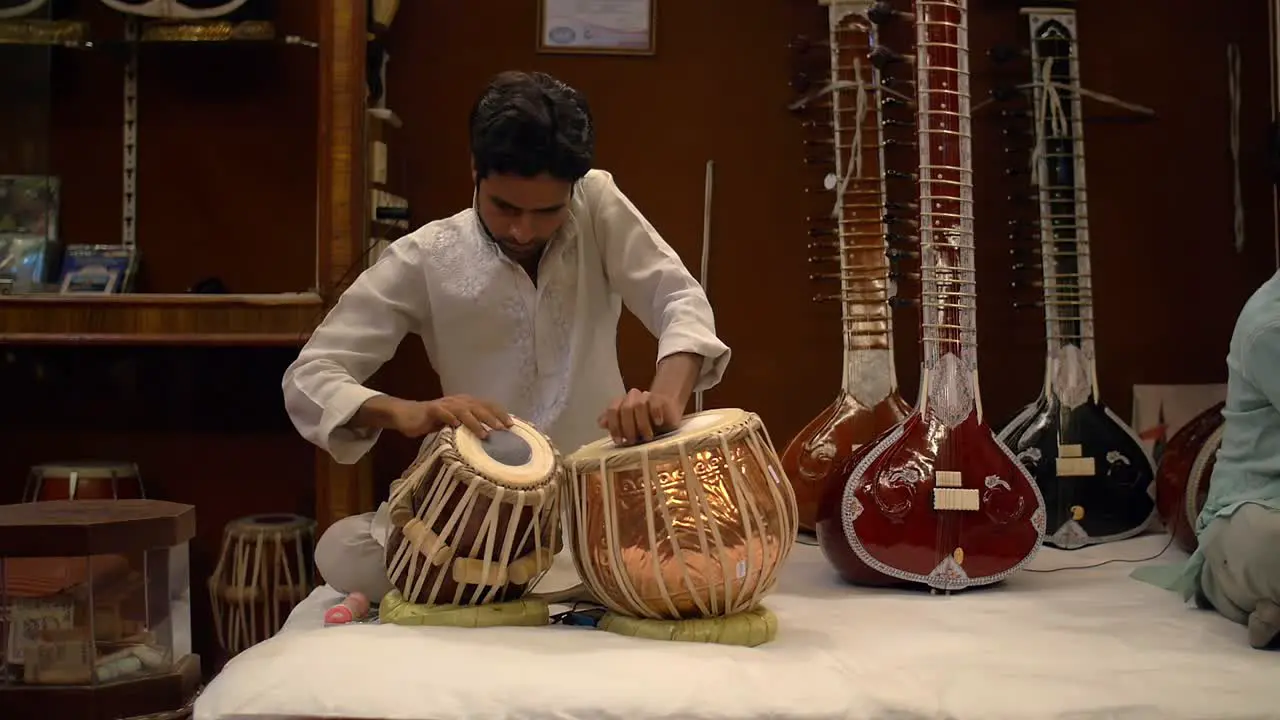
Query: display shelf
{"type": "Point", "coordinates": [146, 319]}
{"type": "Point", "coordinates": [78, 34]}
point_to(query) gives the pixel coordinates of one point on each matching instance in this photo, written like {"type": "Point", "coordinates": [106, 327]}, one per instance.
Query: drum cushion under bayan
{"type": "Point", "coordinates": [176, 9]}
{"type": "Point", "coordinates": [18, 8]}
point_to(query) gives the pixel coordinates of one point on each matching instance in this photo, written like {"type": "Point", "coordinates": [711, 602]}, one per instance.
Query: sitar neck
{"type": "Point", "coordinates": [948, 287]}
{"type": "Point", "coordinates": [1059, 175]}
{"type": "Point", "coordinates": [859, 182]}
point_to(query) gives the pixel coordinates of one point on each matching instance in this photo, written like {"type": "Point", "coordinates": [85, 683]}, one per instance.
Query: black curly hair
{"type": "Point", "coordinates": [528, 124]}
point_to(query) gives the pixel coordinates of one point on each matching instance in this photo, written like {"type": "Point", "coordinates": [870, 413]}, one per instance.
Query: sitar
{"type": "Point", "coordinates": [1182, 478]}
{"type": "Point", "coordinates": [868, 402]}
{"type": "Point", "coordinates": [1094, 474]}
{"type": "Point", "coordinates": [937, 500]}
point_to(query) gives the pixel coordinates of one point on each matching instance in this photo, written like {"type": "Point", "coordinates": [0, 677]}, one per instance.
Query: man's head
{"type": "Point", "coordinates": [531, 139]}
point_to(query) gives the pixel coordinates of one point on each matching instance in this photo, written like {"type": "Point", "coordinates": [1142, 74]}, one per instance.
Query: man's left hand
{"type": "Point", "coordinates": [639, 415]}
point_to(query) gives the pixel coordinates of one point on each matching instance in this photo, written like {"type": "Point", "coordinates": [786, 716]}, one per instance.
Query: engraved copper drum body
{"type": "Point", "coordinates": [814, 457]}
{"type": "Point", "coordinates": [469, 529]}
{"type": "Point", "coordinates": [695, 523]}
{"type": "Point", "coordinates": [84, 481]}
{"type": "Point", "coordinates": [1182, 480]}
{"type": "Point", "coordinates": [176, 9]}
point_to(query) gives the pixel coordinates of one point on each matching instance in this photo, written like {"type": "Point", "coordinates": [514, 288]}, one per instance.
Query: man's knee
{"type": "Point", "coordinates": [350, 559]}
{"type": "Point", "coordinates": [1241, 564]}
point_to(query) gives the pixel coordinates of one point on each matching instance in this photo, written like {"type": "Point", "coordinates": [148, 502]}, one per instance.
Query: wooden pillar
{"type": "Point", "coordinates": [341, 490]}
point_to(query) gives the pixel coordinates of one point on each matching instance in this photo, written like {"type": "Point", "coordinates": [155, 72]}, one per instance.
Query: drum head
{"type": "Point", "coordinates": [18, 8]}
{"type": "Point", "coordinates": [176, 9]}
{"type": "Point", "coordinates": [518, 457]}
{"type": "Point", "coordinates": [707, 422]}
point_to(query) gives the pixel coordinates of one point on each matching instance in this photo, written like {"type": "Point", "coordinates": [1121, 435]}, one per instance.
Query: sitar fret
{"type": "Point", "coordinates": [1059, 175]}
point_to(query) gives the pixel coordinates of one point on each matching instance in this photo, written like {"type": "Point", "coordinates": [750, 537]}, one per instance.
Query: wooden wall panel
{"type": "Point", "coordinates": [1169, 282]}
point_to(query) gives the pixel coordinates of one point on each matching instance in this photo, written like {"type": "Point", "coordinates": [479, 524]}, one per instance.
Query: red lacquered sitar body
{"type": "Point", "coordinates": [937, 500]}
{"type": "Point", "coordinates": [856, 239]}
{"type": "Point", "coordinates": [1182, 480]}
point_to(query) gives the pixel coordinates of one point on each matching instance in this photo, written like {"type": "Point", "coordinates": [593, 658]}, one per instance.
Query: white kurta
{"type": "Point", "coordinates": [547, 354]}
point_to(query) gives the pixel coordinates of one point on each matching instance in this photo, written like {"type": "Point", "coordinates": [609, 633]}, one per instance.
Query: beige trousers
{"type": "Point", "coordinates": [1241, 575]}
{"type": "Point", "coordinates": [350, 555]}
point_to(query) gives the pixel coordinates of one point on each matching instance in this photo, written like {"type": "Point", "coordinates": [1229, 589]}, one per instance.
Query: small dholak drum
{"type": "Point", "coordinates": [176, 9]}
{"type": "Point", "coordinates": [693, 524]}
{"type": "Point", "coordinates": [263, 571]}
{"type": "Point", "coordinates": [475, 521]}
{"type": "Point", "coordinates": [84, 481]}
{"type": "Point", "coordinates": [17, 8]}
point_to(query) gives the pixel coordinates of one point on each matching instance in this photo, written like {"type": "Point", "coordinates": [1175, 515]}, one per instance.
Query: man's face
{"type": "Point", "coordinates": [523, 213]}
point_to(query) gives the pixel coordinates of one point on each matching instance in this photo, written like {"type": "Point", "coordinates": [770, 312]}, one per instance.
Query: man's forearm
{"type": "Point", "coordinates": [676, 375]}
{"type": "Point", "coordinates": [377, 413]}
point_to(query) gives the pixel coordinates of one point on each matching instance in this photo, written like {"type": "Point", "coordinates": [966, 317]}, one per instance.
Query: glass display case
{"type": "Point", "coordinates": [95, 595]}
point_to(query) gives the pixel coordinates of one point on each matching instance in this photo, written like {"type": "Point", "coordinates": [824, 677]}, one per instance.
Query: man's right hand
{"type": "Point", "coordinates": [415, 419]}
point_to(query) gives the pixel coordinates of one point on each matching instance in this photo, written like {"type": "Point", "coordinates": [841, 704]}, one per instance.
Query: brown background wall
{"type": "Point", "coordinates": [228, 187]}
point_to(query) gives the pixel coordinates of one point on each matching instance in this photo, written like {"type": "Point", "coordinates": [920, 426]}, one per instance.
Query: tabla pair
{"type": "Point", "coordinates": [689, 527]}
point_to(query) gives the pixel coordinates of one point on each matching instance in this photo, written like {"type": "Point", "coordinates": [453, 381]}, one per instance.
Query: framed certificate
{"type": "Point", "coordinates": [599, 27]}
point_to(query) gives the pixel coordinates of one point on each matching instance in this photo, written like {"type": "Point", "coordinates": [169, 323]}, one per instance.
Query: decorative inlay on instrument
{"type": "Point", "coordinates": [937, 501]}
{"type": "Point", "coordinates": [864, 225]}
{"type": "Point", "coordinates": [1094, 474]}
{"type": "Point", "coordinates": [1182, 479]}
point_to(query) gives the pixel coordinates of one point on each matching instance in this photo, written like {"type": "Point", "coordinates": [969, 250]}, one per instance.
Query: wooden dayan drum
{"type": "Point", "coordinates": [264, 570]}
{"type": "Point", "coordinates": [693, 524]}
{"type": "Point", "coordinates": [84, 481]}
{"type": "Point", "coordinates": [475, 522]}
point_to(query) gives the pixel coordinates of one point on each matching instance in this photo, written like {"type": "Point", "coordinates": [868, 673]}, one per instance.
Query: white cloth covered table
{"type": "Point", "coordinates": [1078, 644]}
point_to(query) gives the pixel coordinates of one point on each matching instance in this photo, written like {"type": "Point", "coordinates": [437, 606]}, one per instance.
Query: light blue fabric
{"type": "Point", "coordinates": [1247, 469]}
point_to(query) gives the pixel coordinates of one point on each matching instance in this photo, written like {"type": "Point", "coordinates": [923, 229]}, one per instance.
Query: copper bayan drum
{"type": "Point", "coordinates": [18, 8]}
{"type": "Point", "coordinates": [475, 521]}
{"type": "Point", "coordinates": [176, 9]}
{"type": "Point", "coordinates": [84, 481]}
{"type": "Point", "coordinates": [693, 524]}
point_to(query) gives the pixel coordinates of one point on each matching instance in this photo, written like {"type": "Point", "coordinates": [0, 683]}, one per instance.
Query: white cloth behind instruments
{"type": "Point", "coordinates": [1079, 645]}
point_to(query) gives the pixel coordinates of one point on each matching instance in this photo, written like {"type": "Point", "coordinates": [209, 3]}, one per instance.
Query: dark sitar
{"type": "Point", "coordinates": [937, 501]}
{"type": "Point", "coordinates": [1094, 474]}
{"type": "Point", "coordinates": [1182, 479]}
{"type": "Point", "coordinates": [868, 402]}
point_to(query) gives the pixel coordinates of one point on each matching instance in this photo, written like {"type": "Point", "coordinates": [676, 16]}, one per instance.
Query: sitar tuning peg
{"type": "Point", "coordinates": [816, 125]}
{"type": "Point", "coordinates": [897, 82]}
{"type": "Point", "coordinates": [821, 232]}
{"type": "Point", "coordinates": [1020, 198]}
{"type": "Point", "coordinates": [803, 44]}
{"type": "Point", "coordinates": [893, 102]}
{"type": "Point", "coordinates": [1027, 266]}
{"type": "Point", "coordinates": [881, 13]}
{"type": "Point", "coordinates": [1004, 93]}
{"type": "Point", "coordinates": [1004, 53]}
{"type": "Point", "coordinates": [892, 122]}
{"type": "Point", "coordinates": [896, 275]}
{"type": "Point", "coordinates": [899, 254]}
{"type": "Point", "coordinates": [882, 57]}
{"type": "Point", "coordinates": [899, 175]}
{"type": "Point", "coordinates": [901, 302]}
{"type": "Point", "coordinates": [899, 238]}
{"type": "Point", "coordinates": [1024, 305]}
{"type": "Point", "coordinates": [1011, 132]}
{"type": "Point", "coordinates": [1015, 114]}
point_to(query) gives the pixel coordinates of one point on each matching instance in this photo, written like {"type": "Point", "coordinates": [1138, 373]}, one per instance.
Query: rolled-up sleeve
{"type": "Point", "coordinates": [324, 387]}
{"type": "Point", "coordinates": [653, 281]}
